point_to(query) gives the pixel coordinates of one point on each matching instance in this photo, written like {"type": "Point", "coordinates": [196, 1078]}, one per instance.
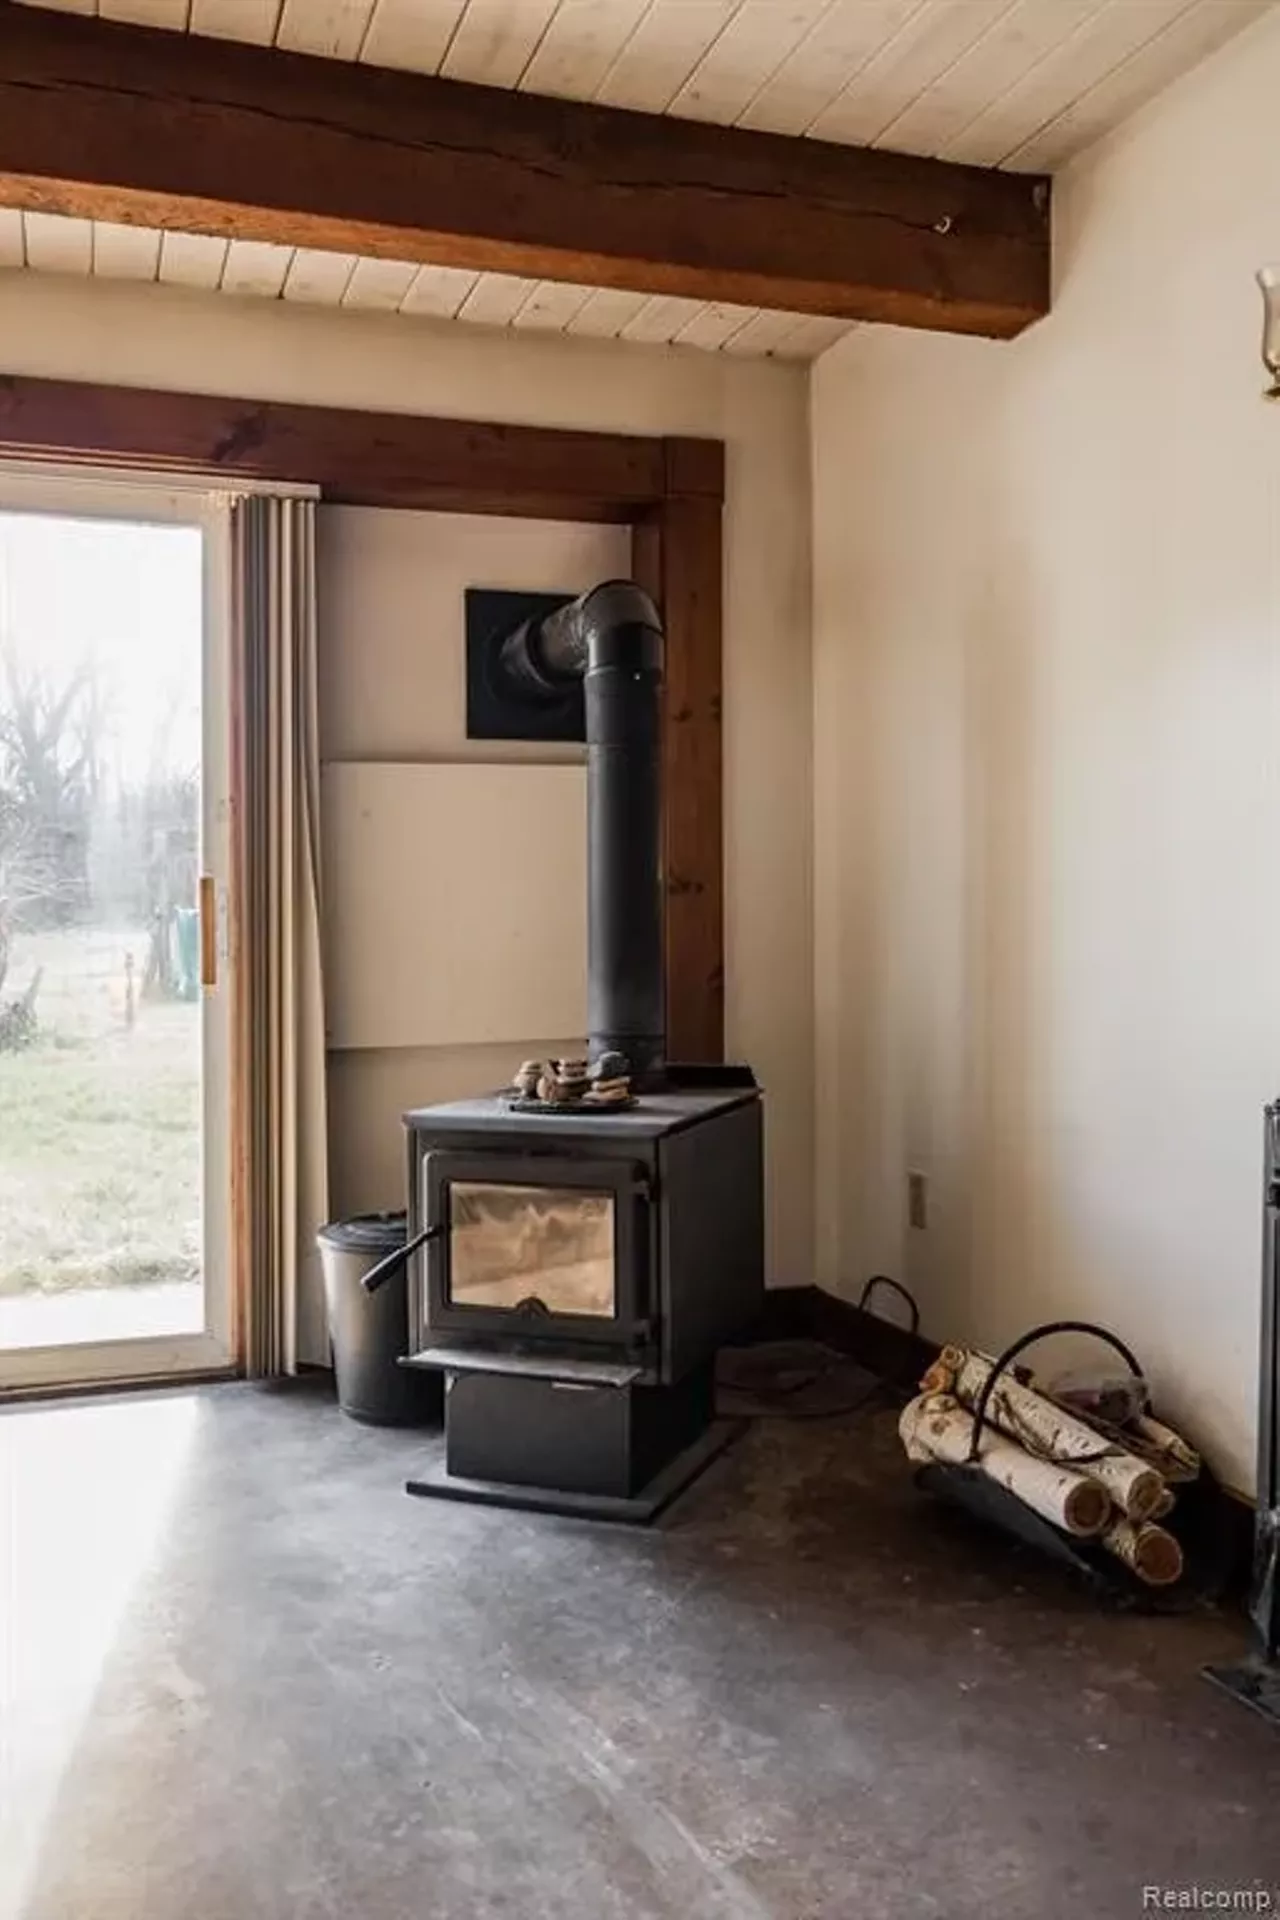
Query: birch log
{"type": "Point", "coordinates": [1173, 1458]}
{"type": "Point", "coordinates": [1167, 1451]}
{"type": "Point", "coordinates": [1152, 1553]}
{"type": "Point", "coordinates": [936, 1427]}
{"type": "Point", "coordinates": [1039, 1424]}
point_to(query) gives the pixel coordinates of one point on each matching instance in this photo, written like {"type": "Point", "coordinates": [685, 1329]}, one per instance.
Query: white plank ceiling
{"type": "Point", "coordinates": [1011, 83]}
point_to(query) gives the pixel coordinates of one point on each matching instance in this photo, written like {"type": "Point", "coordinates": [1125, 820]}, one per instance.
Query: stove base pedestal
{"type": "Point", "coordinates": [1255, 1683]}
{"type": "Point", "coordinates": [637, 1509]}
{"type": "Point", "coordinates": [602, 1447]}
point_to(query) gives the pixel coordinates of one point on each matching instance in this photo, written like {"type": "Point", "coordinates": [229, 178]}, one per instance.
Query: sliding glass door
{"type": "Point", "coordinates": [115, 817]}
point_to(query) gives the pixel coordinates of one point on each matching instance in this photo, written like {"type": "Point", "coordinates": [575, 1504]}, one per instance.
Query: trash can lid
{"type": "Point", "coordinates": [366, 1233]}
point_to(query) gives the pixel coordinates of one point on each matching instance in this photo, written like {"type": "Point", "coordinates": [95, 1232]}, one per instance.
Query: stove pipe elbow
{"type": "Point", "coordinates": [612, 638]}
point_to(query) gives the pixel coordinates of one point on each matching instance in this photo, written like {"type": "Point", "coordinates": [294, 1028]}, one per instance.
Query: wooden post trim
{"type": "Point", "coordinates": [678, 558]}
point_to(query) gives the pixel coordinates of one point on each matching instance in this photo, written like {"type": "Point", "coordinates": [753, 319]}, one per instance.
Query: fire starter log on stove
{"type": "Point", "coordinates": [583, 1264]}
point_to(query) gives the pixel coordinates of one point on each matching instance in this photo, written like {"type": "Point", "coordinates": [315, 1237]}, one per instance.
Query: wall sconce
{"type": "Point", "coordinates": [1269, 281]}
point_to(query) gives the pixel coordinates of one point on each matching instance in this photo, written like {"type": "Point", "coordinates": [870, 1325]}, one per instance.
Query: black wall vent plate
{"type": "Point", "coordinates": [496, 711]}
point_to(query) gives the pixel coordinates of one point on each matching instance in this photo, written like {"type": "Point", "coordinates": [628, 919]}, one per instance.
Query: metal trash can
{"type": "Point", "coordinates": [369, 1331]}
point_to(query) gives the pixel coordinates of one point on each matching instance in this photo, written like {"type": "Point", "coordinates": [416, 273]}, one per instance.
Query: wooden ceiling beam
{"type": "Point", "coordinates": [152, 128]}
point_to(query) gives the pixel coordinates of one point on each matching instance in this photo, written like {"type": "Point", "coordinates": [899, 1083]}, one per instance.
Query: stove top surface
{"type": "Point", "coordinates": [653, 1114]}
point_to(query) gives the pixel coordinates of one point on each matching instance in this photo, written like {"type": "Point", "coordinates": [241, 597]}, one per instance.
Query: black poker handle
{"type": "Point", "coordinates": [392, 1262]}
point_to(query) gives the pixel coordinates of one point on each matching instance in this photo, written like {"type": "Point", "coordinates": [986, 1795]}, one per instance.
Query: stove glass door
{"type": "Point", "coordinates": [513, 1246]}
{"type": "Point", "coordinates": [536, 1247]}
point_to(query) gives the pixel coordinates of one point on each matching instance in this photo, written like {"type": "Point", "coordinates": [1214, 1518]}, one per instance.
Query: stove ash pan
{"type": "Point", "coordinates": [611, 1249]}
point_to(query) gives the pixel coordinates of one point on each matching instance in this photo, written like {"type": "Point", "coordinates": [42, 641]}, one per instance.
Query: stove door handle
{"type": "Point", "coordinates": [393, 1261]}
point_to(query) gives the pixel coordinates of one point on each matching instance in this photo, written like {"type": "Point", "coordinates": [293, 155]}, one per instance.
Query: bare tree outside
{"type": "Point", "coordinates": [48, 781]}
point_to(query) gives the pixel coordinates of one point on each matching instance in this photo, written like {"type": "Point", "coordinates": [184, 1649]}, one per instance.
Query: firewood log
{"type": "Point", "coordinates": [1167, 1451]}
{"type": "Point", "coordinates": [1171, 1456]}
{"type": "Point", "coordinates": [1046, 1429]}
{"type": "Point", "coordinates": [936, 1427]}
{"type": "Point", "coordinates": [1152, 1553]}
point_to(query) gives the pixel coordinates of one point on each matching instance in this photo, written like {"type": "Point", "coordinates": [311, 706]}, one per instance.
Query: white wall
{"type": "Point", "coordinates": [1047, 583]}
{"type": "Point", "coordinates": [162, 337]}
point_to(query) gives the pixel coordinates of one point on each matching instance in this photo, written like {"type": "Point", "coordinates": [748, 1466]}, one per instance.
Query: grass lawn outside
{"type": "Point", "coordinates": [100, 1125]}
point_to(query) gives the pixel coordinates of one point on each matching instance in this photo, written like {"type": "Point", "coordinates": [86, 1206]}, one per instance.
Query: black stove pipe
{"type": "Point", "coordinates": [612, 639]}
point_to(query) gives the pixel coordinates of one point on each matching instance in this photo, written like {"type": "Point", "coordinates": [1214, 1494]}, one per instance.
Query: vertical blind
{"type": "Point", "coordinates": [280, 1026]}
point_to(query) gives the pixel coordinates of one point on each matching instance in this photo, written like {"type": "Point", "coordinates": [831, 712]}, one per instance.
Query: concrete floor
{"type": "Point", "coordinates": [249, 1679]}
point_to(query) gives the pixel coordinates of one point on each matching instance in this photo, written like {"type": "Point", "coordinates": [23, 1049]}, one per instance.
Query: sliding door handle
{"type": "Point", "coordinates": [208, 930]}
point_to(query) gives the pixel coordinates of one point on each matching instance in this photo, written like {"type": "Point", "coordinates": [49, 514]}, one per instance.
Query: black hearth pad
{"type": "Point", "coordinates": [638, 1509]}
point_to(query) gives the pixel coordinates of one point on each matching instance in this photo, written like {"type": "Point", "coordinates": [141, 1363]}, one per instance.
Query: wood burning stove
{"type": "Point", "coordinates": [577, 1269]}
{"type": "Point", "coordinates": [580, 1273]}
